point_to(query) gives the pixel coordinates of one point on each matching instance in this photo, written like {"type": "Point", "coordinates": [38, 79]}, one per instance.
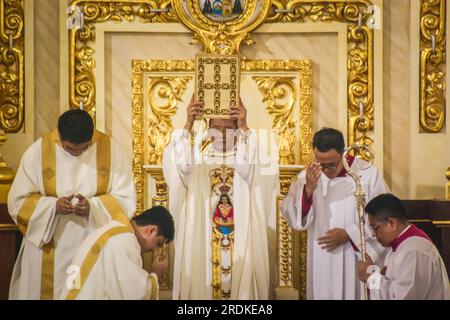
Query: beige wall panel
{"type": "Point", "coordinates": [46, 66]}
{"type": "Point", "coordinates": [397, 72]}
{"type": "Point", "coordinates": [322, 49]}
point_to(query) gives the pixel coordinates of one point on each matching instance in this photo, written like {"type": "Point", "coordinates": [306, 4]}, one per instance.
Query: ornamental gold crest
{"type": "Point", "coordinates": [221, 26]}
{"type": "Point", "coordinates": [222, 10]}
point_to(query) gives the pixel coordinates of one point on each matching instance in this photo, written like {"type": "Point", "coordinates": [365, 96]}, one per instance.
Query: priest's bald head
{"type": "Point", "coordinates": [387, 218]}
{"type": "Point", "coordinates": [328, 147]}
{"type": "Point", "coordinates": [76, 129]}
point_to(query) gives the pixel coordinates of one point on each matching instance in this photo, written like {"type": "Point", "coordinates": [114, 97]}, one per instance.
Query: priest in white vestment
{"type": "Point", "coordinates": [69, 183]}
{"type": "Point", "coordinates": [414, 269]}
{"type": "Point", "coordinates": [322, 202]}
{"type": "Point", "coordinates": [218, 193]}
{"type": "Point", "coordinates": [108, 264]}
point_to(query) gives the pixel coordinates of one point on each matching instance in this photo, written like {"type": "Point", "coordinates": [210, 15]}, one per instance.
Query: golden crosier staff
{"type": "Point", "coordinates": [360, 195]}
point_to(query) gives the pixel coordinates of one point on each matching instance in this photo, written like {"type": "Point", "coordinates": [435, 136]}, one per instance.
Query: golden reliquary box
{"type": "Point", "coordinates": [217, 82]}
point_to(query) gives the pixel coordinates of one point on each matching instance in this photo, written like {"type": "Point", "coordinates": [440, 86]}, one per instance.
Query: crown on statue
{"type": "Point", "coordinates": [224, 189]}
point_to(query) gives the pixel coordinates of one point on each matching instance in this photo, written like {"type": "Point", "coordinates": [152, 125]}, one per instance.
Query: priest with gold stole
{"type": "Point", "coordinates": [222, 200]}
{"type": "Point", "coordinates": [222, 194]}
{"type": "Point", "coordinates": [69, 183]}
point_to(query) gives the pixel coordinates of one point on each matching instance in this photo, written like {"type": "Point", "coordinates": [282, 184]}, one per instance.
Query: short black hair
{"type": "Point", "coordinates": [385, 206]}
{"type": "Point", "coordinates": [76, 126]}
{"type": "Point", "coordinates": [327, 139]}
{"type": "Point", "coordinates": [160, 217]}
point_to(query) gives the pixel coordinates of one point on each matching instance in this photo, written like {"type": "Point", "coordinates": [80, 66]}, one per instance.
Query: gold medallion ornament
{"type": "Point", "coordinates": [222, 10]}
{"type": "Point", "coordinates": [221, 26]}
{"type": "Point", "coordinates": [432, 65]}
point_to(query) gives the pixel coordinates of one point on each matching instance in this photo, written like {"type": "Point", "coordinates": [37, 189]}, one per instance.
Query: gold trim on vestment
{"type": "Point", "coordinates": [49, 179]}
{"type": "Point", "coordinates": [92, 257]}
{"type": "Point", "coordinates": [155, 286]}
{"type": "Point", "coordinates": [47, 271]}
{"type": "Point", "coordinates": [115, 209]}
{"type": "Point", "coordinates": [49, 162]}
{"type": "Point", "coordinates": [26, 211]}
{"type": "Point", "coordinates": [103, 161]}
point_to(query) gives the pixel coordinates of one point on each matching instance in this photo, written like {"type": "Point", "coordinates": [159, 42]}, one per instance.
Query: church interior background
{"type": "Point", "coordinates": [374, 69]}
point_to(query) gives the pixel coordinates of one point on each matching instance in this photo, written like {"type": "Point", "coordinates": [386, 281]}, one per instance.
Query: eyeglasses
{"type": "Point", "coordinates": [375, 227]}
{"type": "Point", "coordinates": [330, 166]}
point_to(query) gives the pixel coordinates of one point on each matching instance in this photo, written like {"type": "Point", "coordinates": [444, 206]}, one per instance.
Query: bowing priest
{"type": "Point", "coordinates": [222, 196]}
{"type": "Point", "coordinates": [413, 269]}
{"type": "Point", "coordinates": [69, 183]}
{"type": "Point", "coordinates": [108, 264]}
{"type": "Point", "coordinates": [322, 202]}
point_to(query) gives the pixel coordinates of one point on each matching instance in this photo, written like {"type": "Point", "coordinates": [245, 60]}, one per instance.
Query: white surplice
{"type": "Point", "coordinates": [414, 271]}
{"type": "Point", "coordinates": [108, 266]}
{"type": "Point", "coordinates": [332, 275]}
{"type": "Point", "coordinates": [34, 212]}
{"type": "Point", "coordinates": [192, 203]}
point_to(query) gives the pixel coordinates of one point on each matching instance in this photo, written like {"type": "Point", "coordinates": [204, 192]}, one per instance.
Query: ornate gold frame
{"type": "Point", "coordinates": [161, 127]}
{"type": "Point", "coordinates": [12, 94]}
{"type": "Point", "coordinates": [432, 65]}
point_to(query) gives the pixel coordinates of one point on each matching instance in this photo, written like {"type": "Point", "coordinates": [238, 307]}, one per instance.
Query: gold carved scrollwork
{"type": "Point", "coordinates": [82, 55]}
{"type": "Point", "coordinates": [360, 54]}
{"type": "Point", "coordinates": [304, 69]}
{"type": "Point", "coordinates": [432, 65]}
{"type": "Point", "coordinates": [274, 89]}
{"type": "Point", "coordinates": [285, 237]}
{"type": "Point", "coordinates": [165, 88]}
{"type": "Point", "coordinates": [172, 92]}
{"type": "Point", "coordinates": [285, 245]}
{"type": "Point", "coordinates": [12, 44]}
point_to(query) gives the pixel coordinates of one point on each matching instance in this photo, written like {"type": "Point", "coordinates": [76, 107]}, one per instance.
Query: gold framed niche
{"type": "Point", "coordinates": [152, 127]}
